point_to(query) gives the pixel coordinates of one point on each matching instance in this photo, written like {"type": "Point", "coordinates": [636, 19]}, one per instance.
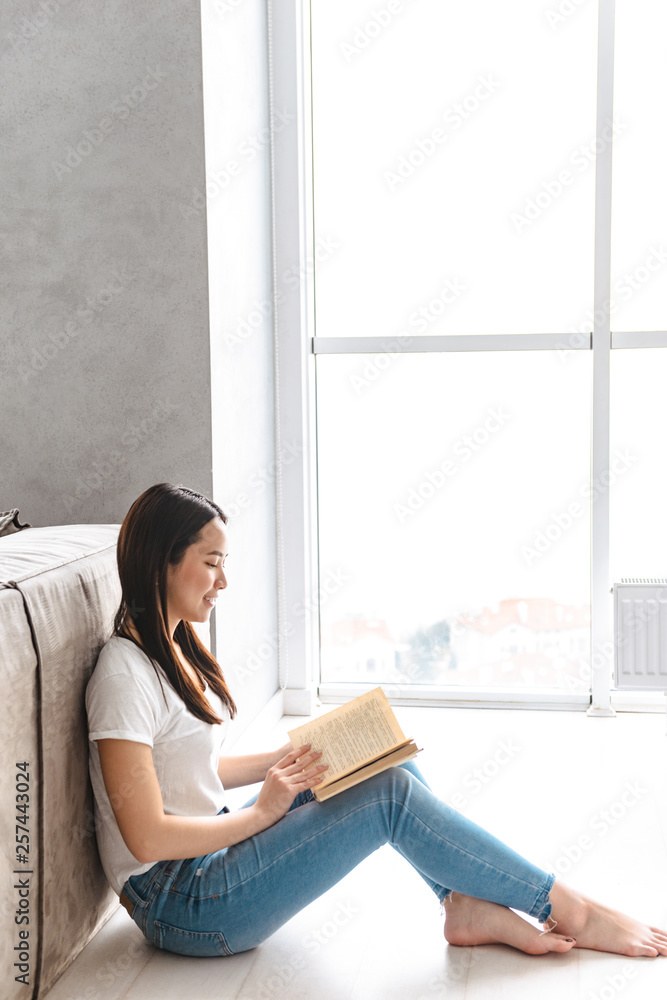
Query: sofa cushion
{"type": "Point", "coordinates": [59, 590]}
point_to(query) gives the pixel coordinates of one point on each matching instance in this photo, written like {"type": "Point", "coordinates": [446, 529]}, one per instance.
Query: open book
{"type": "Point", "coordinates": [357, 740]}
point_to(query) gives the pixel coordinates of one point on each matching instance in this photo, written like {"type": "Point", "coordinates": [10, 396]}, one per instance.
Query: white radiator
{"type": "Point", "coordinates": [640, 634]}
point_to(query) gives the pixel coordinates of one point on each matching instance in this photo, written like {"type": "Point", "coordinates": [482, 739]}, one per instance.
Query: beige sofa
{"type": "Point", "coordinates": [59, 590]}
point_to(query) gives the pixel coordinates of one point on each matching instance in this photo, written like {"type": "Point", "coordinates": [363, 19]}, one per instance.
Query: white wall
{"type": "Point", "coordinates": [239, 240]}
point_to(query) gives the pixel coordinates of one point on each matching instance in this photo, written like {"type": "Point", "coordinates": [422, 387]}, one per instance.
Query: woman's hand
{"type": "Point", "coordinates": [279, 754]}
{"type": "Point", "coordinates": [286, 779]}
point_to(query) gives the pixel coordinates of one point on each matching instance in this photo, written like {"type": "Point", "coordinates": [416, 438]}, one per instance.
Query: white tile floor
{"type": "Point", "coordinates": [585, 797]}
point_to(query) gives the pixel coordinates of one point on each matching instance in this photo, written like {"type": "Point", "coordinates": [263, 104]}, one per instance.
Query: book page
{"type": "Point", "coordinates": [352, 734]}
{"type": "Point", "coordinates": [394, 757]}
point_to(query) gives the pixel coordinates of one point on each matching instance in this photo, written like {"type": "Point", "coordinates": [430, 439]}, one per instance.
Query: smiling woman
{"type": "Point", "coordinates": [193, 584]}
{"type": "Point", "coordinates": [201, 880]}
{"type": "Point", "coordinates": [172, 548]}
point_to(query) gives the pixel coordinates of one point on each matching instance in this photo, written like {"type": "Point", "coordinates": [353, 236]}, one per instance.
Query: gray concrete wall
{"type": "Point", "coordinates": [105, 375]}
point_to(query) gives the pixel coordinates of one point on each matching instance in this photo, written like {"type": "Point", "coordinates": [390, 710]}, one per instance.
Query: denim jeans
{"type": "Point", "coordinates": [233, 899]}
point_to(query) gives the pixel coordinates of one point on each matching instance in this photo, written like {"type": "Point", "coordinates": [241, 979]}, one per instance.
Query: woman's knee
{"type": "Point", "coordinates": [395, 781]}
{"type": "Point", "coordinates": [410, 766]}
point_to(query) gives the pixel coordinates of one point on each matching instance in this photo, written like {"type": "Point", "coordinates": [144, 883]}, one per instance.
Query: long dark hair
{"type": "Point", "coordinates": [157, 530]}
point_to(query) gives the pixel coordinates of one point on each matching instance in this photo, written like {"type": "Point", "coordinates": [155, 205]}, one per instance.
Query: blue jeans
{"type": "Point", "coordinates": [233, 899]}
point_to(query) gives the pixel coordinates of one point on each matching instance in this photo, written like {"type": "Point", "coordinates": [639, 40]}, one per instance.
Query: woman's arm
{"type": "Point", "coordinates": [150, 835]}
{"type": "Point", "coordinates": [237, 771]}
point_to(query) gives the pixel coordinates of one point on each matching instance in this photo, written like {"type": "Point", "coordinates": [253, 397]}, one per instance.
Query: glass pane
{"type": "Point", "coordinates": [639, 205]}
{"type": "Point", "coordinates": [453, 517]}
{"type": "Point", "coordinates": [638, 483]}
{"type": "Point", "coordinates": [454, 149]}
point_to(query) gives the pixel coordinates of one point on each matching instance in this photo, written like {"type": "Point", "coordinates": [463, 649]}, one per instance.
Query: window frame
{"type": "Point", "coordinates": [296, 351]}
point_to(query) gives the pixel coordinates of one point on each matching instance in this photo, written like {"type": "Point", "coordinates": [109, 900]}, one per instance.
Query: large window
{"type": "Point", "coordinates": [639, 205]}
{"type": "Point", "coordinates": [454, 152]}
{"type": "Point", "coordinates": [638, 475]}
{"type": "Point", "coordinates": [454, 516]}
{"type": "Point", "coordinates": [489, 323]}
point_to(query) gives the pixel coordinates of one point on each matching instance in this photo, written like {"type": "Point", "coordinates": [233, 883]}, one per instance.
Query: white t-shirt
{"type": "Point", "coordinates": [124, 701]}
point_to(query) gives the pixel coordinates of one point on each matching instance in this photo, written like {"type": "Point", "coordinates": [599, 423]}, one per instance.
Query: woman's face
{"type": "Point", "coordinates": [193, 585]}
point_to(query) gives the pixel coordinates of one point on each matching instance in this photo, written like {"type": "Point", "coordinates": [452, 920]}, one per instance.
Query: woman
{"type": "Point", "coordinates": [201, 880]}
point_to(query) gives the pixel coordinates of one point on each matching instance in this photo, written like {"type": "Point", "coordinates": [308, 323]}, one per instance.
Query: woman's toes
{"type": "Point", "coordinates": [558, 942]}
{"type": "Point", "coordinates": [644, 951]}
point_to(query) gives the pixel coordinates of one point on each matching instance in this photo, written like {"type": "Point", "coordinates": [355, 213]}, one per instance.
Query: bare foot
{"type": "Point", "coordinates": [476, 921]}
{"type": "Point", "coordinates": [602, 929]}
